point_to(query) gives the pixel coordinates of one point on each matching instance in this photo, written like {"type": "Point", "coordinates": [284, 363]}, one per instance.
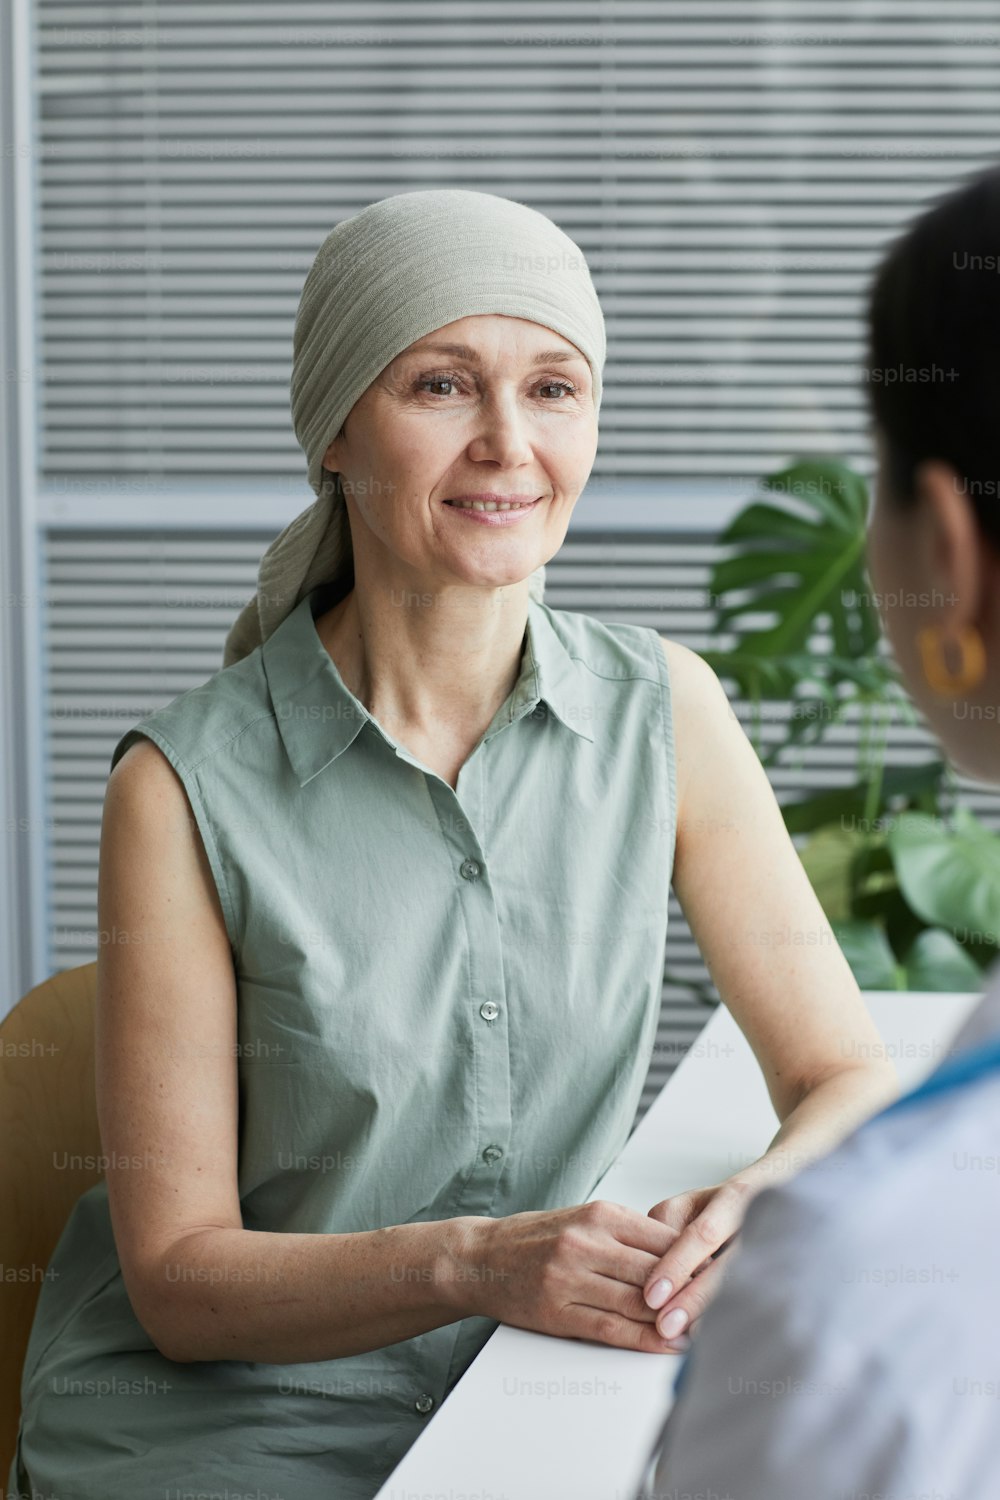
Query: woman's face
{"type": "Point", "coordinates": [930, 567]}
{"type": "Point", "coordinates": [487, 404]}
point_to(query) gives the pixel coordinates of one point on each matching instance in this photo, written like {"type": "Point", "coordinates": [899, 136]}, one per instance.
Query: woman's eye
{"type": "Point", "coordinates": [436, 380]}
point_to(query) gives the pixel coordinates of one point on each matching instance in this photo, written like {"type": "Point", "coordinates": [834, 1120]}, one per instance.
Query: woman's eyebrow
{"type": "Point", "coordinates": [463, 351]}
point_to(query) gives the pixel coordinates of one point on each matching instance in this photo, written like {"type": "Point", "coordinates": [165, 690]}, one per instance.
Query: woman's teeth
{"type": "Point", "coordinates": [488, 505]}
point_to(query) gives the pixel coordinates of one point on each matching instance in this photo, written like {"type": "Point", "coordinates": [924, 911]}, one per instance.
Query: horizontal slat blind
{"type": "Point", "coordinates": [730, 169]}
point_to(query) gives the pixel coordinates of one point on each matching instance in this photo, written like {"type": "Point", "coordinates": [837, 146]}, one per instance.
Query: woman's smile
{"type": "Point", "coordinates": [495, 512]}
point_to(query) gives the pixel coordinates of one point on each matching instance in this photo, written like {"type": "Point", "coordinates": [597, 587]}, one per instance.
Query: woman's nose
{"type": "Point", "coordinates": [502, 432]}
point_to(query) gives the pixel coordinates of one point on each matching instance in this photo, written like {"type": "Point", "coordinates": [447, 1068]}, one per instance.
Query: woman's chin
{"type": "Point", "coordinates": [509, 577]}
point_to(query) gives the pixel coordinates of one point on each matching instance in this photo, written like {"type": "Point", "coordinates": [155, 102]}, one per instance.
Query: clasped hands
{"type": "Point", "coordinates": [602, 1271]}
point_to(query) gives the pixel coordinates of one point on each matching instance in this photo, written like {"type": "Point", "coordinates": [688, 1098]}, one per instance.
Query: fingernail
{"type": "Point", "coordinates": [658, 1293]}
{"type": "Point", "coordinates": [674, 1323]}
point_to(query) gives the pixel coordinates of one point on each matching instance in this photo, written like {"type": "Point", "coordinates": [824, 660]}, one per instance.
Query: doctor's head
{"type": "Point", "coordinates": [933, 378]}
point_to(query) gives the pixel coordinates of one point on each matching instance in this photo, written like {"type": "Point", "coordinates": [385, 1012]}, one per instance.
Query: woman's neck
{"type": "Point", "coordinates": [436, 675]}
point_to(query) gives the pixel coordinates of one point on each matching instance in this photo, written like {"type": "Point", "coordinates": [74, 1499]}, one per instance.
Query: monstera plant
{"type": "Point", "coordinates": [909, 879]}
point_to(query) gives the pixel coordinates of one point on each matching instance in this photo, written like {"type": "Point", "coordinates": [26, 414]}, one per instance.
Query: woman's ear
{"type": "Point", "coordinates": [949, 543]}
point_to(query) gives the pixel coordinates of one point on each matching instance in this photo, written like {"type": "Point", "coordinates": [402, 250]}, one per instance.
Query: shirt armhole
{"type": "Point", "coordinates": [667, 714]}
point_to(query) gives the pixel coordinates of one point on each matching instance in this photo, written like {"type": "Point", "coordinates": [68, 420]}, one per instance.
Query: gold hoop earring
{"type": "Point", "coordinates": [971, 669]}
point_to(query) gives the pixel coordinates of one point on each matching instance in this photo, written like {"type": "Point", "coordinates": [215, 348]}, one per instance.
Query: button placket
{"type": "Point", "coordinates": [489, 1138]}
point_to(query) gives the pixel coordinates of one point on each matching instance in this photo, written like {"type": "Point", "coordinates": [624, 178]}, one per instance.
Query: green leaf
{"type": "Point", "coordinates": [799, 564]}
{"type": "Point", "coordinates": [876, 893]}
{"type": "Point", "coordinates": [849, 802]}
{"type": "Point", "coordinates": [828, 484]}
{"type": "Point", "coordinates": [760, 518]}
{"type": "Point", "coordinates": [936, 962]}
{"type": "Point", "coordinates": [950, 876]}
{"type": "Point", "coordinates": [867, 950]}
{"type": "Point", "coordinates": [827, 859]}
{"type": "Point", "coordinates": [749, 567]}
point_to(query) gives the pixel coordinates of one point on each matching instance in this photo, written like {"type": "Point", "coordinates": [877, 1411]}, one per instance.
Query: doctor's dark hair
{"type": "Point", "coordinates": [933, 371]}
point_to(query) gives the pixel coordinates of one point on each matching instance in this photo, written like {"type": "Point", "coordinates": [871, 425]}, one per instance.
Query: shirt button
{"type": "Point", "coordinates": [492, 1154]}
{"type": "Point", "coordinates": [424, 1403]}
{"type": "Point", "coordinates": [470, 869]}
{"type": "Point", "coordinates": [489, 1010]}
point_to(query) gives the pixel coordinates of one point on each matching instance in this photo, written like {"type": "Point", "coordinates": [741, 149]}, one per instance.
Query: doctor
{"type": "Point", "coordinates": [852, 1350]}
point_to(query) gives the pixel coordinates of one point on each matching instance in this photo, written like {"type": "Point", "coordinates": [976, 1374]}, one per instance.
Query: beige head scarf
{"type": "Point", "coordinates": [399, 269]}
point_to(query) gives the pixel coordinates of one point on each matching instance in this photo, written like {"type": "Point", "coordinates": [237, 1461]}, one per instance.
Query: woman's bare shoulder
{"type": "Point", "coordinates": [143, 778]}
{"type": "Point", "coordinates": [694, 684]}
{"type": "Point", "coordinates": [147, 813]}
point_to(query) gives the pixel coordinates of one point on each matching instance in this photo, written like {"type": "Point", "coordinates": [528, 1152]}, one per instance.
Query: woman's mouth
{"type": "Point", "coordinates": [494, 511]}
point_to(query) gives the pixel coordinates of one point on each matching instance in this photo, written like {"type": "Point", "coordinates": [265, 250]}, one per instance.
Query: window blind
{"type": "Point", "coordinates": [730, 169]}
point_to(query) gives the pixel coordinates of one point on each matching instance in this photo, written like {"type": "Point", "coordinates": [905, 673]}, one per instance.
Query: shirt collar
{"type": "Point", "coordinates": [319, 717]}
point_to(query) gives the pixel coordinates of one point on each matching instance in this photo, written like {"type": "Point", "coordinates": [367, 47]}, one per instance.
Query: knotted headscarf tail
{"type": "Point", "coordinates": [399, 269]}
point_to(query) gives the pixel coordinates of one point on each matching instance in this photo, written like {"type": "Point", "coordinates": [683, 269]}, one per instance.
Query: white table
{"type": "Point", "coordinates": [540, 1418]}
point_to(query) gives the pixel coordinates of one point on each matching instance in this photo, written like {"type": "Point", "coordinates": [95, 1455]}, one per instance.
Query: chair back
{"type": "Point", "coordinates": [50, 1156]}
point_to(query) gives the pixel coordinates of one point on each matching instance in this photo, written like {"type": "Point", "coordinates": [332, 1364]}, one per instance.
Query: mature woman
{"type": "Point", "coordinates": [853, 1350]}
{"type": "Point", "coordinates": [395, 882]}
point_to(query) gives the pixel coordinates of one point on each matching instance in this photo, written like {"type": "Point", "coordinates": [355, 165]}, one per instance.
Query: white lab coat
{"type": "Point", "coordinates": [853, 1352]}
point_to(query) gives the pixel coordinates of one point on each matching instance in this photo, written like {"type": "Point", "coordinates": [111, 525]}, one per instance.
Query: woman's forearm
{"type": "Point", "coordinates": [822, 1118]}
{"type": "Point", "coordinates": [292, 1298]}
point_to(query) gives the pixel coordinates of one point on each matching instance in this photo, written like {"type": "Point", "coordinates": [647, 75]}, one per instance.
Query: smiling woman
{"type": "Point", "coordinates": [425, 443]}
{"type": "Point", "coordinates": [404, 866]}
{"type": "Point", "coordinates": [424, 458]}
{"type": "Point", "coordinates": [405, 268]}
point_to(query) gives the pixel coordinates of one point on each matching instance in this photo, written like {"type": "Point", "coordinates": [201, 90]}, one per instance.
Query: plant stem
{"type": "Point", "coordinates": [871, 766]}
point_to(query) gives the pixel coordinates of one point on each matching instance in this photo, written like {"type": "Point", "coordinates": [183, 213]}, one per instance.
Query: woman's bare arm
{"type": "Point", "coordinates": [759, 924]}
{"type": "Point", "coordinates": [777, 966]}
{"type": "Point", "coordinates": [771, 952]}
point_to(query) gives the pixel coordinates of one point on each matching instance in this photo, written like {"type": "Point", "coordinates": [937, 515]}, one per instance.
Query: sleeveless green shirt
{"type": "Point", "coordinates": [447, 1001]}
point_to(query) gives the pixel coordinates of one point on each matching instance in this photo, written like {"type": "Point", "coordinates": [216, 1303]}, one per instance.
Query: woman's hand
{"type": "Point", "coordinates": [686, 1278]}
{"type": "Point", "coordinates": [573, 1272]}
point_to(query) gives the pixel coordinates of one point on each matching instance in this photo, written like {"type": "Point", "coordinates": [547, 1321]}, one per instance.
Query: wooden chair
{"type": "Point", "coordinates": [47, 1107]}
